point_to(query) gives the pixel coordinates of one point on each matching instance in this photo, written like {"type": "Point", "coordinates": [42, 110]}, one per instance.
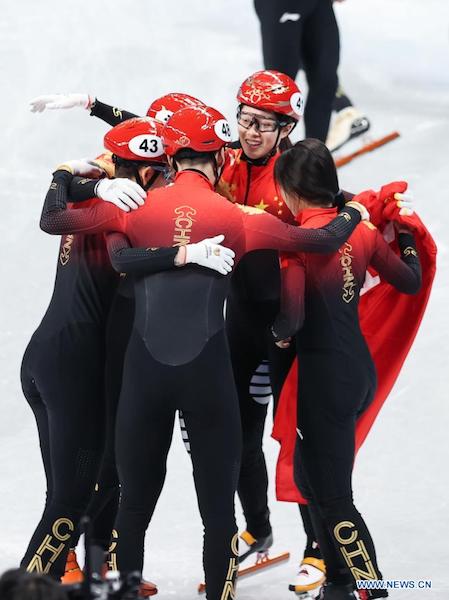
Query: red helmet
{"type": "Point", "coordinates": [137, 139]}
{"type": "Point", "coordinates": [162, 108]}
{"type": "Point", "coordinates": [200, 128]}
{"type": "Point", "coordinates": [273, 91]}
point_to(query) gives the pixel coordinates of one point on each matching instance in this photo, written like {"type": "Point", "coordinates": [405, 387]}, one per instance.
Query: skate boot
{"type": "Point", "coordinates": [372, 594]}
{"type": "Point", "coordinates": [333, 591]}
{"type": "Point", "coordinates": [310, 577]}
{"type": "Point", "coordinates": [348, 124]}
{"type": "Point", "coordinates": [259, 545]}
{"type": "Point", "coordinates": [73, 573]}
{"type": "Point", "coordinates": [147, 589]}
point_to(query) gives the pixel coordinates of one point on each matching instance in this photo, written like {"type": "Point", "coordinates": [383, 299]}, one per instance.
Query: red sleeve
{"type": "Point", "coordinates": [262, 230]}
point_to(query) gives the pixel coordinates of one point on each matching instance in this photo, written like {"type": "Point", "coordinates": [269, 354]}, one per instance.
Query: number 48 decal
{"type": "Point", "coordinates": [223, 130]}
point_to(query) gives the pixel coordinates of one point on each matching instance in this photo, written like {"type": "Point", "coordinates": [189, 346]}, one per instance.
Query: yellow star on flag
{"type": "Point", "coordinates": [261, 205]}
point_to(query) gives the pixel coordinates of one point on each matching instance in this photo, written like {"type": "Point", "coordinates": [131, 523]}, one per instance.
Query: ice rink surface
{"type": "Point", "coordinates": [395, 67]}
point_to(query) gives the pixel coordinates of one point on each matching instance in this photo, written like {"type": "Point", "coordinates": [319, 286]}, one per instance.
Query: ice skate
{"type": "Point", "coordinates": [348, 124]}
{"type": "Point", "coordinates": [332, 591]}
{"type": "Point", "coordinates": [263, 561]}
{"type": "Point", "coordinates": [147, 588]}
{"type": "Point", "coordinates": [310, 577]}
{"type": "Point", "coordinates": [371, 594]}
{"type": "Point", "coordinates": [260, 545]}
{"type": "Point", "coordinates": [73, 573]}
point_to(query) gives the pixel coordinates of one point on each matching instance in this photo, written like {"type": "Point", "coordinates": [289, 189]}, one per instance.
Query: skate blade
{"type": "Point", "coordinates": [311, 595]}
{"type": "Point", "coordinates": [366, 143]}
{"type": "Point", "coordinates": [263, 563]}
{"type": "Point", "coordinates": [306, 594]}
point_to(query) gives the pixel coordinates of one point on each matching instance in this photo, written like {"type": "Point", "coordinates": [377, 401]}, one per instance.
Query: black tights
{"type": "Point", "coordinates": [151, 393]}
{"type": "Point", "coordinates": [311, 42]}
{"type": "Point", "coordinates": [62, 379]}
{"type": "Point", "coordinates": [331, 396]}
{"type": "Point", "coordinates": [250, 342]}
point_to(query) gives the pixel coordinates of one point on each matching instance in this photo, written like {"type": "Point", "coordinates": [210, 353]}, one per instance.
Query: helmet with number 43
{"type": "Point", "coordinates": [138, 140]}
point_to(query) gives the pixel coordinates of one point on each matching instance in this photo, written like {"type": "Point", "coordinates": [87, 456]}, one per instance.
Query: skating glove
{"type": "Point", "coordinates": [82, 167]}
{"type": "Point", "coordinates": [209, 253]}
{"type": "Point", "coordinates": [124, 193]}
{"type": "Point", "coordinates": [401, 211]}
{"type": "Point", "coordinates": [405, 203]}
{"type": "Point", "coordinates": [57, 101]}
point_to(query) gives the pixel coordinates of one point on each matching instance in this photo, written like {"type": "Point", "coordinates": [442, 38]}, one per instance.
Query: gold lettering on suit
{"type": "Point", "coordinates": [37, 563]}
{"type": "Point", "coordinates": [183, 225]}
{"type": "Point", "coordinates": [64, 256]}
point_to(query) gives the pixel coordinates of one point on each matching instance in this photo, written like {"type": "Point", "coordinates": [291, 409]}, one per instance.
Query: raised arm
{"type": "Point", "coordinates": [404, 271]}
{"type": "Point", "coordinates": [109, 114]}
{"type": "Point", "coordinates": [58, 219]}
{"type": "Point", "coordinates": [105, 112]}
{"type": "Point", "coordinates": [265, 231]}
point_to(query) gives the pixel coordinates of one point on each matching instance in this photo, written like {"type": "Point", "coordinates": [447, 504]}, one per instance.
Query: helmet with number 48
{"type": "Point", "coordinates": [202, 129]}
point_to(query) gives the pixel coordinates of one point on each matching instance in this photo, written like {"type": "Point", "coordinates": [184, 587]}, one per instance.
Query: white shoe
{"type": "Point", "coordinates": [311, 575]}
{"type": "Point", "coordinates": [347, 124]}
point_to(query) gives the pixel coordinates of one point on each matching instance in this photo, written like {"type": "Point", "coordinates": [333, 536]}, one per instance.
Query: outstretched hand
{"type": "Point", "coordinates": [59, 101]}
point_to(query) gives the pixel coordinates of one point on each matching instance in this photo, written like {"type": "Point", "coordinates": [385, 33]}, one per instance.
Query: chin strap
{"type": "Point", "coordinates": [149, 183]}
{"type": "Point", "coordinates": [152, 180]}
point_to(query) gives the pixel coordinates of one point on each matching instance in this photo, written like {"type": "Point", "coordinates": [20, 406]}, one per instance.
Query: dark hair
{"type": "Point", "coordinates": [18, 584]}
{"type": "Point", "coordinates": [308, 170]}
{"type": "Point", "coordinates": [130, 165]}
{"type": "Point", "coordinates": [190, 154]}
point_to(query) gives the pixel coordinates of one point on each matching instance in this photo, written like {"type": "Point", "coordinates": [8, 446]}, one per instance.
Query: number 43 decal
{"type": "Point", "coordinates": [146, 145]}
{"type": "Point", "coordinates": [149, 146]}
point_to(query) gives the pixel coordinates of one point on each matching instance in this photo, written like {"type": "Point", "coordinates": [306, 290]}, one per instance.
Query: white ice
{"type": "Point", "coordinates": [395, 66]}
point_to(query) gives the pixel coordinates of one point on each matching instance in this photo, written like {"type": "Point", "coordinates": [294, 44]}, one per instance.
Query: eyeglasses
{"type": "Point", "coordinates": [264, 125]}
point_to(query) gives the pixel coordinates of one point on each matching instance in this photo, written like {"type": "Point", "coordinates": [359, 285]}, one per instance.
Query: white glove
{"type": "Point", "coordinates": [406, 203]}
{"type": "Point", "coordinates": [124, 193]}
{"type": "Point", "coordinates": [82, 167]}
{"type": "Point", "coordinates": [209, 253]}
{"type": "Point", "coordinates": [362, 209]}
{"type": "Point", "coordinates": [54, 101]}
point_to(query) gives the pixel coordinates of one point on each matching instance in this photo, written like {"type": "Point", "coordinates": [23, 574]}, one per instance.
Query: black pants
{"type": "Point", "coordinates": [250, 342]}
{"type": "Point", "coordinates": [310, 42]}
{"type": "Point", "coordinates": [104, 503]}
{"type": "Point", "coordinates": [62, 379]}
{"type": "Point", "coordinates": [333, 390]}
{"type": "Point", "coordinates": [151, 393]}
